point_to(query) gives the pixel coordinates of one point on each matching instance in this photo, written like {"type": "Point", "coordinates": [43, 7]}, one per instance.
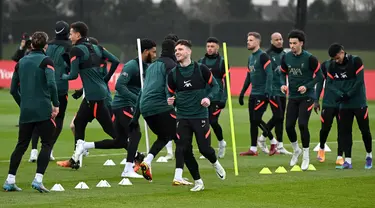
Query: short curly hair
{"type": "Point", "coordinates": [39, 40]}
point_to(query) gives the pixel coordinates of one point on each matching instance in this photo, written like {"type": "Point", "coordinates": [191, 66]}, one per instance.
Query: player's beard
{"type": "Point", "coordinates": [149, 59]}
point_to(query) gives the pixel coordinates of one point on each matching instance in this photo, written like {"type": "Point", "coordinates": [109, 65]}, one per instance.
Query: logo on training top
{"type": "Point", "coordinates": [273, 58]}
{"type": "Point", "coordinates": [125, 74]}
{"type": "Point", "coordinates": [341, 75]}
{"type": "Point", "coordinates": [187, 83]}
{"type": "Point", "coordinates": [295, 71]}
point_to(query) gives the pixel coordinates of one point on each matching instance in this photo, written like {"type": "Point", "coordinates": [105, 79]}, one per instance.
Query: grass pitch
{"type": "Point", "coordinates": [326, 187]}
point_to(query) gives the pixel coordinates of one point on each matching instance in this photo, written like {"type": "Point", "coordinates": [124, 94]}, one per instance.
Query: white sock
{"type": "Point", "coordinates": [273, 141]}
{"type": "Point", "coordinates": [295, 146]}
{"type": "Point", "coordinates": [262, 138]}
{"type": "Point", "coordinates": [339, 157]}
{"type": "Point", "coordinates": [169, 148]}
{"type": "Point", "coordinates": [280, 144]}
{"type": "Point", "coordinates": [11, 179]}
{"type": "Point", "coordinates": [199, 181]}
{"type": "Point", "coordinates": [369, 155]}
{"type": "Point", "coordinates": [178, 174]}
{"type": "Point", "coordinates": [89, 145]}
{"type": "Point", "coordinates": [221, 143]}
{"type": "Point", "coordinates": [348, 160]}
{"type": "Point", "coordinates": [129, 167]}
{"type": "Point", "coordinates": [306, 153]}
{"type": "Point", "coordinates": [254, 149]}
{"type": "Point", "coordinates": [216, 163]}
{"type": "Point", "coordinates": [149, 158]}
{"type": "Point", "coordinates": [39, 177]}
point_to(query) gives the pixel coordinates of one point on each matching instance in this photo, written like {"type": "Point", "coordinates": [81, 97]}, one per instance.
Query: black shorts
{"type": "Point", "coordinates": [163, 124]}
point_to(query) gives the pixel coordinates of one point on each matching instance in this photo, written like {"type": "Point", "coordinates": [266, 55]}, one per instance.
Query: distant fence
{"type": "Point", "coordinates": [237, 75]}
{"type": "Point", "coordinates": [353, 35]}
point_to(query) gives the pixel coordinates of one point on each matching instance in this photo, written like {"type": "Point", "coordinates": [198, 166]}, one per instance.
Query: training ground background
{"type": "Point", "coordinates": [326, 187]}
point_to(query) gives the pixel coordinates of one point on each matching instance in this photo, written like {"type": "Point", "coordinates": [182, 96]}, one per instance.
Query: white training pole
{"type": "Point", "coordinates": [81, 156]}
{"type": "Point", "coordinates": [141, 77]}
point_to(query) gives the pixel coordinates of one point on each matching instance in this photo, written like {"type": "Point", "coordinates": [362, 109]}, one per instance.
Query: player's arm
{"type": "Point", "coordinates": [49, 70]}
{"type": "Point", "coordinates": [330, 84]}
{"type": "Point", "coordinates": [211, 81]}
{"type": "Point", "coordinates": [319, 85]}
{"type": "Point", "coordinates": [246, 83]}
{"type": "Point", "coordinates": [267, 66]}
{"type": "Point", "coordinates": [108, 56]}
{"type": "Point", "coordinates": [225, 88]}
{"type": "Point", "coordinates": [14, 86]}
{"type": "Point", "coordinates": [122, 81]}
{"type": "Point", "coordinates": [171, 85]}
{"type": "Point", "coordinates": [137, 111]}
{"type": "Point", "coordinates": [76, 55]}
{"type": "Point", "coordinates": [283, 70]}
{"type": "Point", "coordinates": [66, 58]}
{"type": "Point", "coordinates": [358, 65]}
{"type": "Point", "coordinates": [314, 66]}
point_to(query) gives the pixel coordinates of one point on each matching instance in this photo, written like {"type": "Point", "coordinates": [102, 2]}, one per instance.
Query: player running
{"type": "Point", "coordinates": [278, 99]}
{"type": "Point", "coordinates": [346, 73]}
{"type": "Point", "coordinates": [215, 63]}
{"type": "Point", "coordinates": [187, 82]}
{"type": "Point", "coordinates": [260, 75]}
{"type": "Point", "coordinates": [128, 86]}
{"type": "Point", "coordinates": [330, 111]}
{"type": "Point", "coordinates": [303, 71]}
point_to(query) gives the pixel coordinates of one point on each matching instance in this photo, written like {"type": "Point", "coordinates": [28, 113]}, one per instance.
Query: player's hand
{"type": "Point", "coordinates": [343, 98]}
{"type": "Point", "coordinates": [302, 89]}
{"type": "Point", "coordinates": [171, 100]}
{"type": "Point", "coordinates": [316, 107]}
{"type": "Point", "coordinates": [55, 111]}
{"type": "Point", "coordinates": [221, 105]}
{"type": "Point", "coordinates": [22, 45]}
{"type": "Point", "coordinates": [205, 102]}
{"type": "Point", "coordinates": [284, 89]}
{"type": "Point", "coordinates": [240, 99]}
{"type": "Point", "coordinates": [77, 94]}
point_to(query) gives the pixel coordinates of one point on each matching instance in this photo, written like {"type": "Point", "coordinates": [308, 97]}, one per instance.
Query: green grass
{"type": "Point", "coordinates": [326, 187]}
{"type": "Point", "coordinates": [237, 55]}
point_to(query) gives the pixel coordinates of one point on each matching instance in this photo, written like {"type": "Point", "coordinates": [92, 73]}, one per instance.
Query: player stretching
{"type": "Point", "coordinates": [330, 110]}
{"type": "Point", "coordinates": [303, 71]}
{"type": "Point", "coordinates": [127, 88]}
{"type": "Point", "coordinates": [260, 75]}
{"type": "Point", "coordinates": [86, 59]}
{"type": "Point", "coordinates": [347, 78]}
{"type": "Point", "coordinates": [34, 75]}
{"type": "Point", "coordinates": [215, 63]}
{"type": "Point", "coordinates": [188, 83]}
{"type": "Point", "coordinates": [278, 99]}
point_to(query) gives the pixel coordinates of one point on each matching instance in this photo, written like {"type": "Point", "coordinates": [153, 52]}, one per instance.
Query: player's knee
{"type": "Point", "coordinates": [326, 128]}
{"type": "Point", "coordinates": [215, 124]}
{"type": "Point", "coordinates": [303, 127]}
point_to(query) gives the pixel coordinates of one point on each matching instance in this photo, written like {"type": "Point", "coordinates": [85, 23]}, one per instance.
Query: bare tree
{"type": "Point", "coordinates": [210, 11]}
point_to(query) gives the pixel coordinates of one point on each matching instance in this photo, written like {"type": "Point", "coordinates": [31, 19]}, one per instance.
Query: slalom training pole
{"type": "Point", "coordinates": [141, 77]}
{"type": "Point", "coordinates": [227, 79]}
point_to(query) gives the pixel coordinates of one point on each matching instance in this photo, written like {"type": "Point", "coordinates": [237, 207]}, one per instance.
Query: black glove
{"type": "Point", "coordinates": [221, 105]}
{"type": "Point", "coordinates": [240, 99]}
{"type": "Point", "coordinates": [343, 98]}
{"type": "Point", "coordinates": [316, 107]}
{"type": "Point", "coordinates": [77, 93]}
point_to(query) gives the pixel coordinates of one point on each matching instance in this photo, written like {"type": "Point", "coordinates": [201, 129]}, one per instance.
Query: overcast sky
{"type": "Point", "coordinates": [258, 2]}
